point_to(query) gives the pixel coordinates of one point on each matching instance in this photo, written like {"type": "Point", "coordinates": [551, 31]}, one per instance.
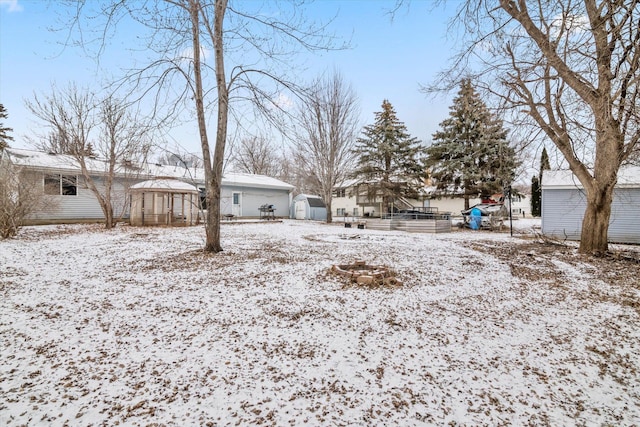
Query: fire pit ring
{"type": "Point", "coordinates": [364, 274]}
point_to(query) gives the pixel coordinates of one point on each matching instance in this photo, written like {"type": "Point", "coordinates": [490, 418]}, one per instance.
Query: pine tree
{"type": "Point", "coordinates": [4, 132]}
{"type": "Point", "coordinates": [471, 153]}
{"type": "Point", "coordinates": [388, 164]}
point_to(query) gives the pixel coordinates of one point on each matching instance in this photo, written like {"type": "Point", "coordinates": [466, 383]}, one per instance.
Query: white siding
{"type": "Point", "coordinates": [451, 204]}
{"type": "Point", "coordinates": [253, 198]}
{"type": "Point", "coordinates": [563, 210]}
{"type": "Point", "coordinates": [83, 205]}
{"type": "Point", "coordinates": [624, 225]}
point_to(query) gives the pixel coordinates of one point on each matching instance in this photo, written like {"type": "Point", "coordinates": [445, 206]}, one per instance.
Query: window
{"type": "Point", "coordinates": [340, 192]}
{"type": "Point", "coordinates": [340, 212]}
{"type": "Point", "coordinates": [355, 211]}
{"type": "Point", "coordinates": [236, 198]}
{"type": "Point", "coordinates": [65, 185]}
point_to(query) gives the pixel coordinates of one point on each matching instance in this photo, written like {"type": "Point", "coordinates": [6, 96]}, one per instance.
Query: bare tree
{"type": "Point", "coordinates": [20, 196]}
{"type": "Point", "coordinates": [179, 157]}
{"type": "Point", "coordinates": [104, 137]}
{"type": "Point", "coordinates": [571, 69]}
{"type": "Point", "coordinates": [257, 155]}
{"type": "Point", "coordinates": [250, 48]}
{"type": "Point", "coordinates": [328, 127]}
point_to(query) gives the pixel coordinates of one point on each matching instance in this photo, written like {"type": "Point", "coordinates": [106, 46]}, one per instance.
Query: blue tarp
{"type": "Point", "coordinates": [475, 220]}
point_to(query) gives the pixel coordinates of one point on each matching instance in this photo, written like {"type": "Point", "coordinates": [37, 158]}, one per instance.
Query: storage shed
{"type": "Point", "coordinates": [306, 206]}
{"type": "Point", "coordinates": [164, 201]}
{"type": "Point", "coordinates": [564, 202]}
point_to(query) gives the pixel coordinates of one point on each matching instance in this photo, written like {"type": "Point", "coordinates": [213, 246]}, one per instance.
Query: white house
{"type": "Point", "coordinates": [72, 201]}
{"type": "Point", "coordinates": [351, 199]}
{"type": "Point", "coordinates": [564, 203]}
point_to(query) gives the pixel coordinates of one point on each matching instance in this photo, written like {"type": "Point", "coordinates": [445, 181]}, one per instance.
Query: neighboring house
{"type": "Point", "coordinates": [351, 199]}
{"type": "Point", "coordinates": [344, 201]}
{"type": "Point", "coordinates": [71, 200]}
{"type": "Point", "coordinates": [446, 202]}
{"type": "Point", "coordinates": [347, 200]}
{"type": "Point", "coordinates": [521, 205]}
{"type": "Point", "coordinates": [564, 203]}
{"type": "Point", "coordinates": [306, 206]}
{"type": "Point", "coordinates": [454, 203]}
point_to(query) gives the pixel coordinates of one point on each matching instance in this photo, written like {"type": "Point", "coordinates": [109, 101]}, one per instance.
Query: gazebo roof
{"type": "Point", "coordinates": [165, 185]}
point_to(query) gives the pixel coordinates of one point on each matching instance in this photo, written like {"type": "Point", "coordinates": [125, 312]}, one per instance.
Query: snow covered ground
{"type": "Point", "coordinates": [137, 326]}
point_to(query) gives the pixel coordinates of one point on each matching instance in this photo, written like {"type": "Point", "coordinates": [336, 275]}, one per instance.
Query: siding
{"type": "Point", "coordinates": [563, 210]}
{"type": "Point", "coordinates": [253, 198]}
{"type": "Point", "coordinates": [82, 206]}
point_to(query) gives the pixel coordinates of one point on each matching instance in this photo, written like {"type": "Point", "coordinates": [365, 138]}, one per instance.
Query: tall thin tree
{"type": "Point", "coordinates": [251, 45]}
{"type": "Point", "coordinates": [328, 126]}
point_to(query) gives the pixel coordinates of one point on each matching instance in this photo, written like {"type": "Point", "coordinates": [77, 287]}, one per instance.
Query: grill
{"type": "Point", "coordinates": [267, 212]}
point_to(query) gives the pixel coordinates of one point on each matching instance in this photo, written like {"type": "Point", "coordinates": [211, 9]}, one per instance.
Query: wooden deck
{"type": "Point", "coordinates": [411, 226]}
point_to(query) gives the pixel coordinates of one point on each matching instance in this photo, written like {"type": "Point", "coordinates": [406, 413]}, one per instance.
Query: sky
{"type": "Point", "coordinates": [389, 58]}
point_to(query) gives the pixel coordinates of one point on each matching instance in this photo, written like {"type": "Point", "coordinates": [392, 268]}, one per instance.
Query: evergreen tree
{"type": "Point", "coordinates": [471, 153]}
{"type": "Point", "coordinates": [544, 163]}
{"type": "Point", "coordinates": [536, 184]}
{"type": "Point", "coordinates": [536, 205]}
{"type": "Point", "coordinates": [4, 132]}
{"type": "Point", "coordinates": [387, 159]}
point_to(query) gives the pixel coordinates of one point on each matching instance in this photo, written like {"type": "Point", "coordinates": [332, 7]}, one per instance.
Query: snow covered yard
{"type": "Point", "coordinates": [137, 326]}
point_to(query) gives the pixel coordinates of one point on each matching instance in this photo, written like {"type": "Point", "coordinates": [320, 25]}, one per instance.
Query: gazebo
{"type": "Point", "coordinates": [164, 201]}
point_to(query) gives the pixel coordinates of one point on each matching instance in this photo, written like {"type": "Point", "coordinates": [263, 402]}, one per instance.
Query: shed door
{"type": "Point", "coordinates": [236, 207]}
{"type": "Point", "coordinates": [301, 209]}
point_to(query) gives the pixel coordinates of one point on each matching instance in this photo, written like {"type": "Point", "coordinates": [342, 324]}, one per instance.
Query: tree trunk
{"type": "Point", "coordinates": [215, 181]}
{"type": "Point", "coordinates": [108, 223]}
{"type": "Point", "coordinates": [328, 206]}
{"type": "Point", "coordinates": [212, 225]}
{"type": "Point", "coordinates": [595, 224]}
{"type": "Point", "coordinates": [212, 170]}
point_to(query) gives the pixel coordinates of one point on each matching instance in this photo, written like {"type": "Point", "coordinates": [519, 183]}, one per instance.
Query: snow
{"type": "Point", "coordinates": [137, 325]}
{"type": "Point", "coordinates": [168, 185]}
{"type": "Point", "coordinates": [628, 176]}
{"type": "Point", "coordinates": [62, 162]}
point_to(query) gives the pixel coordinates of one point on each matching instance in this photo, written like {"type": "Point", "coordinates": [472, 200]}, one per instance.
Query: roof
{"type": "Point", "coordinates": [313, 200]}
{"type": "Point", "coordinates": [628, 177]}
{"type": "Point", "coordinates": [348, 183]}
{"type": "Point", "coordinates": [167, 185]}
{"type": "Point", "coordinates": [65, 163]}
{"type": "Point", "coordinates": [255, 181]}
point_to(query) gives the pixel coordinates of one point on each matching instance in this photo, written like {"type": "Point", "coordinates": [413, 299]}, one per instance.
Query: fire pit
{"type": "Point", "coordinates": [363, 274]}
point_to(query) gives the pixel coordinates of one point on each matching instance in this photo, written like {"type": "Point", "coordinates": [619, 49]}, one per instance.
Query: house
{"type": "Point", "coordinates": [564, 203]}
{"type": "Point", "coordinates": [351, 198]}
{"type": "Point", "coordinates": [243, 194]}
{"type": "Point", "coordinates": [310, 207]}
{"type": "Point", "coordinates": [344, 201]}
{"type": "Point", "coordinates": [70, 200]}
